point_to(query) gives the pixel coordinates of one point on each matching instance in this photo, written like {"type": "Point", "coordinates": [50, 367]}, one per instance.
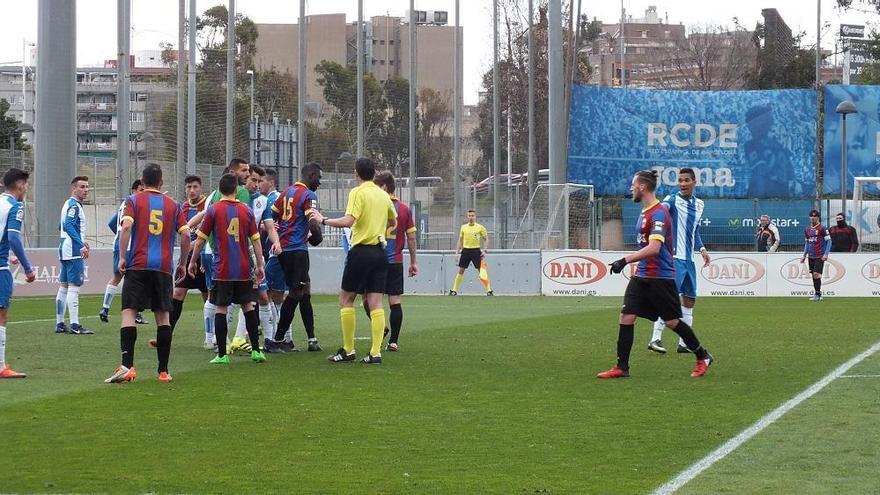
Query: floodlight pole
{"type": "Point", "coordinates": [845, 108]}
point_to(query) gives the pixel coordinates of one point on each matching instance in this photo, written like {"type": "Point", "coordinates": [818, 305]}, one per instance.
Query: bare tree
{"type": "Point", "coordinates": [712, 58]}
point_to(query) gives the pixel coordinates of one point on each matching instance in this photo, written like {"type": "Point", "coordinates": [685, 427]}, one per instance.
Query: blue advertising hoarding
{"type": "Point", "coordinates": [862, 135]}
{"type": "Point", "coordinates": [743, 144]}
{"type": "Point", "coordinates": [730, 222]}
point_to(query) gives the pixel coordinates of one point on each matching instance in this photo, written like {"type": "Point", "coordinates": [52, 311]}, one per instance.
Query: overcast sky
{"type": "Point", "coordinates": [154, 21]}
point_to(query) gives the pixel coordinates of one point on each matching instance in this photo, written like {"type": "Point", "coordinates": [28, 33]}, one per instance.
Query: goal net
{"type": "Point", "coordinates": [866, 212]}
{"type": "Point", "coordinates": [558, 216]}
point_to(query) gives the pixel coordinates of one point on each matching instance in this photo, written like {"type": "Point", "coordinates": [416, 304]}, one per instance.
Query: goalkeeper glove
{"type": "Point", "coordinates": [618, 265]}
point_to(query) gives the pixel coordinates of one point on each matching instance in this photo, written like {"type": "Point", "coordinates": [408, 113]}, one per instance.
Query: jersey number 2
{"type": "Point", "coordinates": [156, 222]}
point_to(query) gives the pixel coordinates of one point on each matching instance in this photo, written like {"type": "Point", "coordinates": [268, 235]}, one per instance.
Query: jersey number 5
{"type": "Point", "coordinates": [156, 222]}
{"type": "Point", "coordinates": [289, 210]}
{"type": "Point", "coordinates": [233, 229]}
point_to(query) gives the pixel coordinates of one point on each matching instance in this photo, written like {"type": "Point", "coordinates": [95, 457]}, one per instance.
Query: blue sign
{"type": "Point", "coordinates": [862, 135]}
{"type": "Point", "coordinates": [742, 144]}
{"type": "Point", "coordinates": [734, 222]}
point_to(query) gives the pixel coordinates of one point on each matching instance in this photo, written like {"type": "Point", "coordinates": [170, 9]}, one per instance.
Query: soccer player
{"type": "Point", "coordinates": [241, 170]}
{"type": "Point", "coordinates": [232, 225]}
{"type": "Point", "coordinates": [817, 244]}
{"type": "Point", "coordinates": [15, 182]}
{"type": "Point", "coordinates": [115, 225]}
{"type": "Point", "coordinates": [274, 273]}
{"type": "Point", "coordinates": [400, 231]}
{"type": "Point", "coordinates": [263, 216]}
{"type": "Point", "coordinates": [651, 291]}
{"type": "Point", "coordinates": [195, 203]}
{"type": "Point", "coordinates": [843, 237]}
{"type": "Point", "coordinates": [73, 250]}
{"type": "Point", "coordinates": [473, 243]}
{"type": "Point", "coordinates": [150, 222]}
{"type": "Point", "coordinates": [368, 212]}
{"type": "Point", "coordinates": [296, 231]}
{"type": "Point", "coordinates": [767, 238]}
{"type": "Point", "coordinates": [686, 211]}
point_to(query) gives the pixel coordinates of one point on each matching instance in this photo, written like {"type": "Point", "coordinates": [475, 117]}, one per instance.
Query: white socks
{"type": "Point", "coordinates": [2, 347]}
{"type": "Point", "coordinates": [73, 304]}
{"type": "Point", "coordinates": [208, 314]}
{"type": "Point", "coordinates": [267, 321]}
{"type": "Point", "coordinates": [241, 328]}
{"type": "Point", "coordinates": [687, 316]}
{"type": "Point", "coordinates": [659, 325]}
{"type": "Point", "coordinates": [109, 292]}
{"type": "Point", "coordinates": [60, 304]}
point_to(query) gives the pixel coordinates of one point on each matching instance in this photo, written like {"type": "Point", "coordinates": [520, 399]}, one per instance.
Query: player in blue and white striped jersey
{"type": "Point", "coordinates": [115, 225]}
{"type": "Point", "coordinates": [11, 218]}
{"type": "Point", "coordinates": [686, 211]}
{"type": "Point", "coordinates": [72, 250]}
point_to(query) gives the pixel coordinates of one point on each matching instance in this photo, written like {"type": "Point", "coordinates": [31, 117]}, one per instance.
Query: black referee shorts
{"type": "Point", "coordinates": [366, 270]}
{"type": "Point", "coordinates": [295, 265]}
{"type": "Point", "coordinates": [470, 255]}
{"type": "Point", "coordinates": [197, 282]}
{"type": "Point", "coordinates": [394, 280]}
{"type": "Point", "coordinates": [651, 298]}
{"type": "Point", "coordinates": [817, 265]}
{"type": "Point", "coordinates": [147, 289]}
{"type": "Point", "coordinates": [226, 292]}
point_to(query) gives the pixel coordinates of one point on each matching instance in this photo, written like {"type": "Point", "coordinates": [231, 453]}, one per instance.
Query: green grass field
{"type": "Point", "coordinates": [486, 396]}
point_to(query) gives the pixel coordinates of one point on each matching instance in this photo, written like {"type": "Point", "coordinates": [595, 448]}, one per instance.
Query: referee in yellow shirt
{"type": "Point", "coordinates": [473, 242]}
{"type": "Point", "coordinates": [368, 212]}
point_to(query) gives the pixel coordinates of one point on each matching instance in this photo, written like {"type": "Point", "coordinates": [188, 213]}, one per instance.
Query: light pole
{"type": "Point", "coordinates": [251, 73]}
{"type": "Point", "coordinates": [345, 156]}
{"type": "Point", "coordinates": [24, 44]}
{"type": "Point", "coordinates": [845, 108]}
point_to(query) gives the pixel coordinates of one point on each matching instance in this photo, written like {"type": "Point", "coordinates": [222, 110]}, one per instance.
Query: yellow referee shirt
{"type": "Point", "coordinates": [371, 208]}
{"type": "Point", "coordinates": [471, 235]}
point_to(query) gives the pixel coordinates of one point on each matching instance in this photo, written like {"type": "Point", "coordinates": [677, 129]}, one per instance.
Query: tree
{"type": "Point", "coordinates": [714, 58]}
{"type": "Point", "coordinates": [434, 142]}
{"type": "Point", "coordinates": [781, 63]}
{"type": "Point", "coordinates": [8, 124]}
{"type": "Point", "coordinates": [340, 90]}
{"type": "Point", "coordinates": [275, 92]}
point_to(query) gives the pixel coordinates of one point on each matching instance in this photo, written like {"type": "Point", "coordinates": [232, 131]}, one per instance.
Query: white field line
{"type": "Point", "coordinates": [721, 452]}
{"type": "Point", "coordinates": [860, 376]}
{"type": "Point", "coordinates": [44, 320]}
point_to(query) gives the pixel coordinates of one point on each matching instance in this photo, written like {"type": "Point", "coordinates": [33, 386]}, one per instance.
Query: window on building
{"type": "Point", "coordinates": [381, 62]}
{"type": "Point", "coordinates": [381, 42]}
{"type": "Point", "coordinates": [137, 117]}
{"type": "Point", "coordinates": [644, 34]}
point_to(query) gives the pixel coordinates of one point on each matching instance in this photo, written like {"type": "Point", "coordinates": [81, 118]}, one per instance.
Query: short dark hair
{"type": "Point", "coordinates": [271, 174]}
{"type": "Point", "coordinates": [814, 213]}
{"type": "Point", "coordinates": [79, 178]}
{"type": "Point", "coordinates": [648, 178]}
{"type": "Point", "coordinates": [840, 215]}
{"type": "Point", "coordinates": [472, 211]}
{"type": "Point", "coordinates": [258, 170]}
{"type": "Point", "coordinates": [152, 175]}
{"type": "Point", "coordinates": [192, 178]}
{"type": "Point", "coordinates": [385, 178]}
{"type": "Point", "coordinates": [228, 184]}
{"type": "Point", "coordinates": [14, 175]}
{"type": "Point", "coordinates": [235, 163]}
{"type": "Point", "coordinates": [365, 168]}
{"type": "Point", "coordinates": [689, 171]}
{"type": "Point", "coordinates": [136, 184]}
{"type": "Point", "coordinates": [309, 169]}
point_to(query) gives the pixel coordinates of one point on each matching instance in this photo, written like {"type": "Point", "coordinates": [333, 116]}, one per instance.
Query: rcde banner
{"type": "Point", "coordinates": [862, 135]}
{"type": "Point", "coordinates": [742, 144]}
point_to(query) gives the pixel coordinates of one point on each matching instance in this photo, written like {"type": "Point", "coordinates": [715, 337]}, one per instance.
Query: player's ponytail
{"type": "Point", "coordinates": [648, 178]}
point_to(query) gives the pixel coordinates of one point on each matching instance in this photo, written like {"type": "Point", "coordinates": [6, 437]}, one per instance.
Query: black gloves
{"type": "Point", "coordinates": [618, 265]}
{"type": "Point", "coordinates": [316, 238]}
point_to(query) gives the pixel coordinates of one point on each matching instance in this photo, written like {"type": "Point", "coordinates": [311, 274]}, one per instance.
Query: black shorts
{"type": "Point", "coordinates": [193, 283]}
{"type": "Point", "coordinates": [394, 279]}
{"type": "Point", "coordinates": [295, 265]}
{"type": "Point", "coordinates": [651, 298]}
{"type": "Point", "coordinates": [816, 265]}
{"type": "Point", "coordinates": [226, 292]}
{"type": "Point", "coordinates": [366, 270]}
{"type": "Point", "coordinates": [147, 289]}
{"type": "Point", "coordinates": [470, 255]}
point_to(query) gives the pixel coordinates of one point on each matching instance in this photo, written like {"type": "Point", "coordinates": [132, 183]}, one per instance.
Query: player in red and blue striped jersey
{"type": "Point", "coordinates": [296, 231]}
{"type": "Point", "coordinates": [194, 204]}
{"type": "Point", "coordinates": [150, 221]}
{"type": "Point", "coordinates": [401, 231]}
{"type": "Point", "coordinates": [233, 228]}
{"type": "Point", "coordinates": [817, 245]}
{"type": "Point", "coordinates": [651, 291]}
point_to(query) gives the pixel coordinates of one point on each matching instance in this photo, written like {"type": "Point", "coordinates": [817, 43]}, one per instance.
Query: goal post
{"type": "Point", "coordinates": [558, 216]}
{"type": "Point", "coordinates": [866, 208]}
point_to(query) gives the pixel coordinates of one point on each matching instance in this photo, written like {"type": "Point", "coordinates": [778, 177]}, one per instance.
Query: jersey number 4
{"type": "Point", "coordinates": [156, 224]}
{"type": "Point", "coordinates": [233, 229]}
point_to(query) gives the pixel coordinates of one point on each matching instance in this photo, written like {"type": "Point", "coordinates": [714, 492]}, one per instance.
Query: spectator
{"type": "Point", "coordinates": [843, 237]}
{"type": "Point", "coordinates": [767, 237]}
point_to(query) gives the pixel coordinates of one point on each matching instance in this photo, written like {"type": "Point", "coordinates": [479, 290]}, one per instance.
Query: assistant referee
{"type": "Point", "coordinates": [368, 212]}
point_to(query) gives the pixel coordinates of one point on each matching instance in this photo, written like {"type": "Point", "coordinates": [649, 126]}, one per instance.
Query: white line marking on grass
{"type": "Point", "coordinates": [860, 376]}
{"type": "Point", "coordinates": [721, 452]}
{"type": "Point", "coordinates": [44, 320]}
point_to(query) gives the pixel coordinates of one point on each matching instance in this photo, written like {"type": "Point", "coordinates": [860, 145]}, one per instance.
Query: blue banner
{"type": "Point", "coordinates": [734, 222]}
{"type": "Point", "coordinates": [862, 131]}
{"type": "Point", "coordinates": [742, 144]}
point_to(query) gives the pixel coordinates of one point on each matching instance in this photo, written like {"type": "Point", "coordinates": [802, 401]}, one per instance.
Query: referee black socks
{"type": "Point", "coordinates": [624, 345]}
